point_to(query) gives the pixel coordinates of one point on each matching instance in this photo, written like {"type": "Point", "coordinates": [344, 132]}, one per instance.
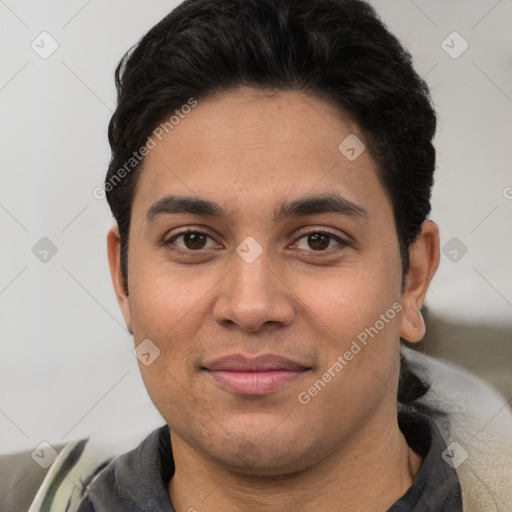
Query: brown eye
{"type": "Point", "coordinates": [190, 240]}
{"type": "Point", "coordinates": [319, 241]}
{"type": "Point", "coordinates": [194, 240]}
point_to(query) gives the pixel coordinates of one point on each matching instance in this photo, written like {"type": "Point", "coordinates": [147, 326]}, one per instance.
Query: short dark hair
{"type": "Point", "coordinates": [336, 50]}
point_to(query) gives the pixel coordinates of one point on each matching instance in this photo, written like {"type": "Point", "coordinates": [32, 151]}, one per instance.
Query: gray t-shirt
{"type": "Point", "coordinates": [138, 480]}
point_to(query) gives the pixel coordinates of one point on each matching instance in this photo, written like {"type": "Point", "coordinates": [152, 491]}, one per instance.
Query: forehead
{"type": "Point", "coordinates": [245, 147]}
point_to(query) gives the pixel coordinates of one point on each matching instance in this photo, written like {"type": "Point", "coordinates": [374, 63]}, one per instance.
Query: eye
{"type": "Point", "coordinates": [319, 240]}
{"type": "Point", "coordinates": [191, 240]}
{"type": "Point", "coordinates": [194, 240]}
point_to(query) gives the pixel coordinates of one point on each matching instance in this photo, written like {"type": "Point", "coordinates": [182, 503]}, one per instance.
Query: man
{"type": "Point", "coordinates": [271, 171]}
{"type": "Point", "coordinates": [271, 225]}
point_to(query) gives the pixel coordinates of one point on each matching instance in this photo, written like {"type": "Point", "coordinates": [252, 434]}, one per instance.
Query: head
{"type": "Point", "coordinates": [294, 140]}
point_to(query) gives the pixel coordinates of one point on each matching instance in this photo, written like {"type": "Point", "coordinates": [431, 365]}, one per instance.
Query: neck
{"type": "Point", "coordinates": [371, 474]}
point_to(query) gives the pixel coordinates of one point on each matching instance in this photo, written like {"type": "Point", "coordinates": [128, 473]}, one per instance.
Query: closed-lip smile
{"type": "Point", "coordinates": [254, 375]}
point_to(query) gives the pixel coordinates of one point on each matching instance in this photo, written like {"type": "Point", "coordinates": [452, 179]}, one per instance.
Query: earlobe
{"type": "Point", "coordinates": [413, 325]}
{"type": "Point", "coordinates": [423, 263]}
{"type": "Point", "coordinates": [114, 259]}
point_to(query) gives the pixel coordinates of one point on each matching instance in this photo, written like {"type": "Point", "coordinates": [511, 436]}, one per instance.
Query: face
{"type": "Point", "coordinates": [276, 307]}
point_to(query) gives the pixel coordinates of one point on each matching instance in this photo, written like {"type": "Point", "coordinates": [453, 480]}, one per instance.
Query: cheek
{"type": "Point", "coordinates": [359, 359]}
{"type": "Point", "coordinates": [359, 316]}
{"type": "Point", "coordinates": [347, 300]}
{"type": "Point", "coordinates": [163, 296]}
{"type": "Point", "coordinates": [167, 310]}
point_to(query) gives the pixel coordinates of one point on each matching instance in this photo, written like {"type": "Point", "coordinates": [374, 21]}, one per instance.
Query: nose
{"type": "Point", "coordinates": [253, 296]}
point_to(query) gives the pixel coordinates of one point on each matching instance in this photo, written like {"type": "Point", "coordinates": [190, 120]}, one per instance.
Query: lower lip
{"type": "Point", "coordinates": [254, 383]}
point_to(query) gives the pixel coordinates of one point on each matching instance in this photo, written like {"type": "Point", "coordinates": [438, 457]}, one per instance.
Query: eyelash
{"type": "Point", "coordinates": [169, 242]}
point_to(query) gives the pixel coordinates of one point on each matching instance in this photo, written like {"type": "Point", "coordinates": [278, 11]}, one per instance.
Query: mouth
{"type": "Point", "coordinates": [254, 375]}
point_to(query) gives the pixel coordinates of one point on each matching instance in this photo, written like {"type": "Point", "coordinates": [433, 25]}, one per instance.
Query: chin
{"type": "Point", "coordinates": [261, 449]}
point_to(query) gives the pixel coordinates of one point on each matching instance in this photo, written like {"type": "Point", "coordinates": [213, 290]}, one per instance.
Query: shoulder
{"type": "Point", "coordinates": [63, 485]}
{"type": "Point", "coordinates": [476, 423]}
{"type": "Point", "coordinates": [136, 480]}
{"type": "Point", "coordinates": [20, 479]}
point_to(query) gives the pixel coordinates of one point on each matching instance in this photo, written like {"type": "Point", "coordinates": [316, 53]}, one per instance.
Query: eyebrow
{"type": "Point", "coordinates": [310, 205]}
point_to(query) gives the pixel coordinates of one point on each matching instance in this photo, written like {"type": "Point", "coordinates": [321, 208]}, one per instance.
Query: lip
{"type": "Point", "coordinates": [254, 375]}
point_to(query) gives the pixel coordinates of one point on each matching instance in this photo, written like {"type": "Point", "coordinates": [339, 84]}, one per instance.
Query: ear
{"type": "Point", "coordinates": [114, 260]}
{"type": "Point", "coordinates": [423, 263]}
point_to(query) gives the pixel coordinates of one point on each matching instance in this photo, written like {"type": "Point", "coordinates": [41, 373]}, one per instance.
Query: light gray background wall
{"type": "Point", "coordinates": [66, 366]}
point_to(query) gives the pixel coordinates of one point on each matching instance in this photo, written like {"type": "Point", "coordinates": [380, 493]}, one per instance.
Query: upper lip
{"type": "Point", "coordinates": [262, 363]}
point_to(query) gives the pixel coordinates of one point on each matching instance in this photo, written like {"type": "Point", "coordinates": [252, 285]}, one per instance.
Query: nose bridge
{"type": "Point", "coordinates": [251, 277]}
